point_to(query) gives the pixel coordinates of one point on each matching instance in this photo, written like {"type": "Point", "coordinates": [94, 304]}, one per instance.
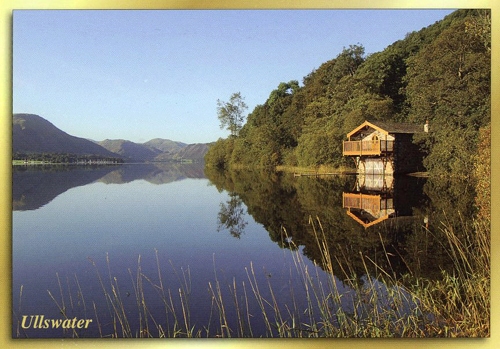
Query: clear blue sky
{"type": "Point", "coordinates": [143, 74]}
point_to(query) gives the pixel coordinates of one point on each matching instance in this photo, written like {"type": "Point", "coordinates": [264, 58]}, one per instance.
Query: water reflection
{"type": "Point", "coordinates": [266, 212]}
{"type": "Point", "coordinates": [231, 216]}
{"type": "Point", "coordinates": [395, 221]}
{"type": "Point", "coordinates": [377, 198]}
{"type": "Point", "coordinates": [370, 215]}
{"type": "Point", "coordinates": [35, 186]}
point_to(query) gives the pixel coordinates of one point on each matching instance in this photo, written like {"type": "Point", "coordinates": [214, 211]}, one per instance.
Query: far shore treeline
{"type": "Point", "coordinates": [440, 74]}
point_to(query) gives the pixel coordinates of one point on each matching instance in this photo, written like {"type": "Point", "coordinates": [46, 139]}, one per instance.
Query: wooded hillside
{"type": "Point", "coordinates": [440, 74]}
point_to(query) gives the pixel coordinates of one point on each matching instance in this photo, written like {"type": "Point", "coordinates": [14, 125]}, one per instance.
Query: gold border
{"type": "Point", "coordinates": [5, 169]}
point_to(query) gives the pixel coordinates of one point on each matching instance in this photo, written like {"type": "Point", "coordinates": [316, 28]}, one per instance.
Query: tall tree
{"type": "Point", "coordinates": [348, 61]}
{"type": "Point", "coordinates": [231, 114]}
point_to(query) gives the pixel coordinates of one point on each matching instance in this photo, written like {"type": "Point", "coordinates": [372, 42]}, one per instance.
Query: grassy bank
{"type": "Point", "coordinates": [315, 171]}
{"type": "Point", "coordinates": [299, 170]}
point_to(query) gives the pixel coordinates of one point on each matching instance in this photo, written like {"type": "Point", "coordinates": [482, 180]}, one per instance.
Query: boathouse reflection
{"type": "Point", "coordinates": [377, 198]}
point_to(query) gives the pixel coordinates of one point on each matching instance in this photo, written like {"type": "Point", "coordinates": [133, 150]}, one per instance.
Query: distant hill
{"type": "Point", "coordinates": [130, 151]}
{"type": "Point", "coordinates": [33, 134]}
{"type": "Point", "coordinates": [193, 151]}
{"type": "Point", "coordinates": [155, 150]}
{"type": "Point", "coordinates": [165, 145]}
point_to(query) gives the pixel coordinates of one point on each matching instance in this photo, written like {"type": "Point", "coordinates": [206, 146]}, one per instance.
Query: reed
{"type": "Point", "coordinates": [380, 305]}
{"type": "Point", "coordinates": [461, 300]}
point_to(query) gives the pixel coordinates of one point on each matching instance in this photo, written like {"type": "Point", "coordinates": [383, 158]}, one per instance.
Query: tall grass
{"type": "Point", "coordinates": [381, 305]}
{"type": "Point", "coordinates": [461, 300]}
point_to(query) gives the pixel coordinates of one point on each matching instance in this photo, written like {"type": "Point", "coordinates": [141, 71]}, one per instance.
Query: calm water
{"type": "Point", "coordinates": [72, 226]}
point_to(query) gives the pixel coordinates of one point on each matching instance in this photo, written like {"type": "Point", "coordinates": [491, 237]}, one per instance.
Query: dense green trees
{"type": "Point", "coordinates": [219, 154]}
{"type": "Point", "coordinates": [482, 171]}
{"type": "Point", "coordinates": [440, 74]}
{"type": "Point", "coordinates": [449, 85]}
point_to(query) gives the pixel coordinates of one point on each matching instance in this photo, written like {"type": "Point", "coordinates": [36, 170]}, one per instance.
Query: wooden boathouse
{"type": "Point", "coordinates": [384, 148]}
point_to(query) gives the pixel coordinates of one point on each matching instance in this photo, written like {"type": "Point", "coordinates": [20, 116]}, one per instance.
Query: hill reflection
{"type": "Point", "coordinates": [36, 186]}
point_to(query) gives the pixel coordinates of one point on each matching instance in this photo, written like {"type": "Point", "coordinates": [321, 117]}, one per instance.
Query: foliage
{"type": "Point", "coordinates": [219, 154]}
{"type": "Point", "coordinates": [482, 173]}
{"type": "Point", "coordinates": [449, 85]}
{"type": "Point", "coordinates": [440, 74]}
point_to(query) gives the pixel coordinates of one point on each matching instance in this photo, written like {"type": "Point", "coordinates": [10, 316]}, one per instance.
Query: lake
{"type": "Point", "coordinates": [162, 250]}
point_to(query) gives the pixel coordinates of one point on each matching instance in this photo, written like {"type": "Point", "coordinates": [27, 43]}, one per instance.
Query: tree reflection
{"type": "Point", "coordinates": [231, 216]}
{"type": "Point", "coordinates": [402, 244]}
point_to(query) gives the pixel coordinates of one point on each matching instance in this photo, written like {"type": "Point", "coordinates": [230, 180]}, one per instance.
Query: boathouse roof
{"type": "Point", "coordinates": [387, 127]}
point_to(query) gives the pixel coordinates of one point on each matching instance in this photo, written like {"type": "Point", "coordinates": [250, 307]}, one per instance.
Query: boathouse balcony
{"type": "Point", "coordinates": [371, 147]}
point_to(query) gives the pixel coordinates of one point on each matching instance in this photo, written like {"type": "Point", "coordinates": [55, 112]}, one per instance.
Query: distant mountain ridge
{"type": "Point", "coordinates": [130, 151]}
{"type": "Point", "coordinates": [165, 145]}
{"type": "Point", "coordinates": [32, 134]}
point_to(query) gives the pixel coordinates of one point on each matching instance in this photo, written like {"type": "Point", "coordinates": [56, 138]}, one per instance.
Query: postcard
{"type": "Point", "coordinates": [251, 173]}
